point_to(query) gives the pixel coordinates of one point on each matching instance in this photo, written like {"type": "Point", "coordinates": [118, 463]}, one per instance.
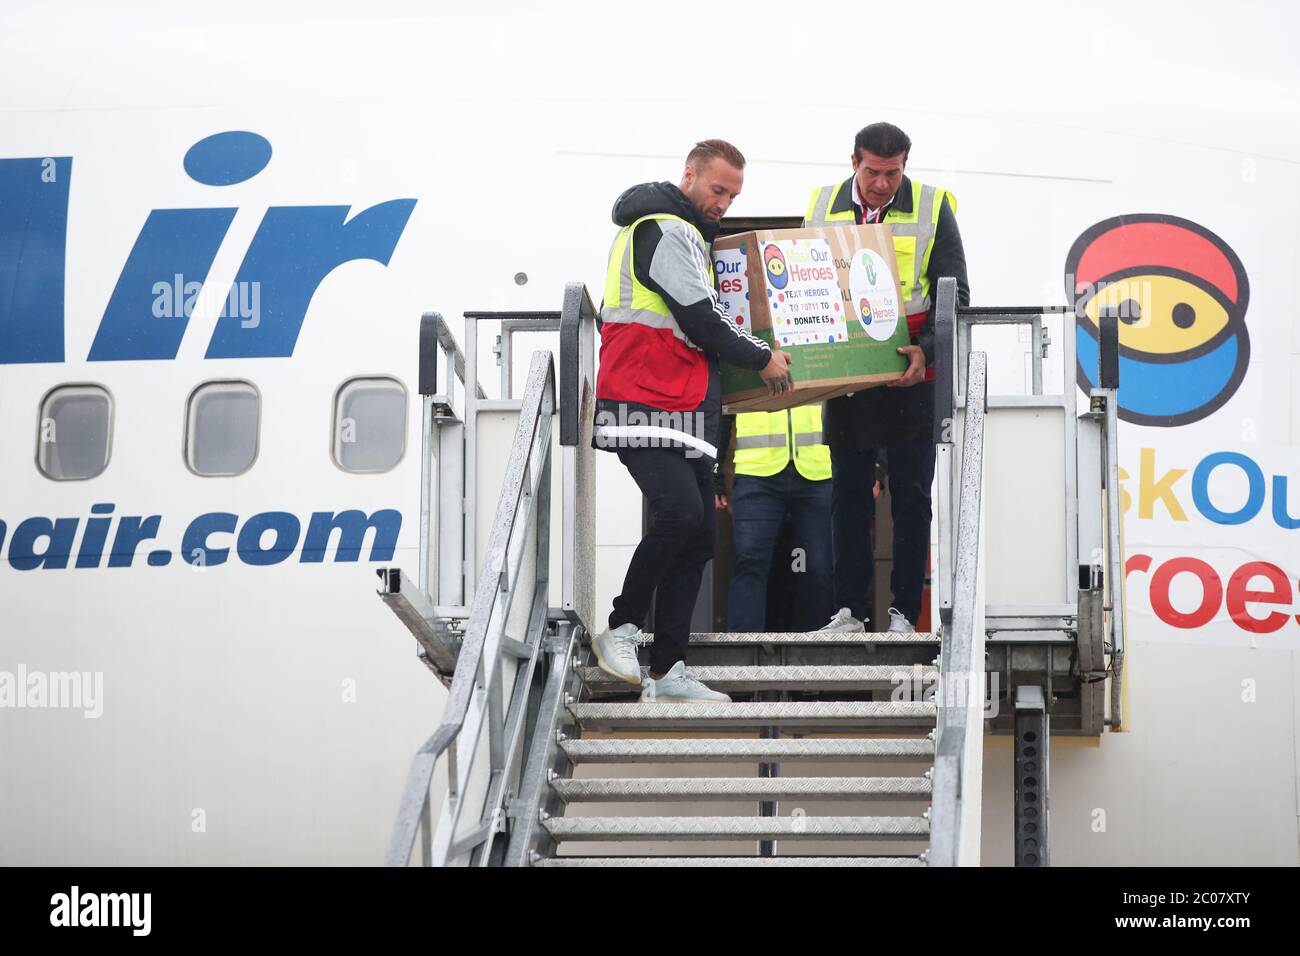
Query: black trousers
{"type": "Point", "coordinates": [911, 472]}
{"type": "Point", "coordinates": [669, 562]}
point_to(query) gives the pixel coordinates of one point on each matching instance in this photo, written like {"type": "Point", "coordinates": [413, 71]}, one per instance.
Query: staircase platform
{"type": "Point", "coordinates": [738, 828]}
{"type": "Point", "coordinates": [805, 677]}
{"type": "Point", "coordinates": [820, 714]}
{"type": "Point", "coordinates": [635, 790]}
{"type": "Point", "coordinates": [717, 750]}
{"type": "Point", "coordinates": [824, 638]}
{"type": "Point", "coordinates": [731, 861]}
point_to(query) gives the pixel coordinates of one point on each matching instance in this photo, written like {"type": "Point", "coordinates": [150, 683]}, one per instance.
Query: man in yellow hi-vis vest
{"type": "Point", "coordinates": [659, 401]}
{"type": "Point", "coordinates": [898, 419]}
{"type": "Point", "coordinates": [782, 467]}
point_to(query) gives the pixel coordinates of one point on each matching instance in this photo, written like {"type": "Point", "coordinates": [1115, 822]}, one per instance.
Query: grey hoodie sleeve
{"type": "Point", "coordinates": [668, 260]}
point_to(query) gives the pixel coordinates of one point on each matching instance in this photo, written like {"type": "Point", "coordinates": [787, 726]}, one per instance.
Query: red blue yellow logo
{"type": "Point", "coordinates": [1180, 293]}
{"type": "Point", "coordinates": [774, 261]}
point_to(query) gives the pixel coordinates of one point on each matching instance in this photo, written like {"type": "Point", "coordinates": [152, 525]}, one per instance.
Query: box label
{"type": "Point", "coordinates": [872, 295]}
{"type": "Point", "coordinates": [812, 292]}
{"type": "Point", "coordinates": [803, 292]}
{"type": "Point", "coordinates": [733, 286]}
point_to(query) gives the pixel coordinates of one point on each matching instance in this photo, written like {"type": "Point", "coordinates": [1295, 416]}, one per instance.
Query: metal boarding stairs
{"type": "Point", "coordinates": [545, 754]}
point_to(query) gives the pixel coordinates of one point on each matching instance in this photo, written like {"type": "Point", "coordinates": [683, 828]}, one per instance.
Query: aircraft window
{"type": "Point", "coordinates": [221, 426]}
{"type": "Point", "coordinates": [75, 432]}
{"type": "Point", "coordinates": [369, 424]}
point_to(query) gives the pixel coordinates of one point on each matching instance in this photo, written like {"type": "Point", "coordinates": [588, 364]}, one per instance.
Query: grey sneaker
{"type": "Point", "coordinates": [616, 652]}
{"type": "Point", "coordinates": [679, 687]}
{"type": "Point", "coordinates": [846, 622]}
{"type": "Point", "coordinates": [898, 623]}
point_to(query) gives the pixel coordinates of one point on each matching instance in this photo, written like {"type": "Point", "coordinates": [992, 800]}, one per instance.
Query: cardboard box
{"type": "Point", "coordinates": [829, 296]}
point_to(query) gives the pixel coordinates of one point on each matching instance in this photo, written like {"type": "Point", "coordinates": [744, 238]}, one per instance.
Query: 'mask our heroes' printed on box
{"type": "Point", "coordinates": [828, 296]}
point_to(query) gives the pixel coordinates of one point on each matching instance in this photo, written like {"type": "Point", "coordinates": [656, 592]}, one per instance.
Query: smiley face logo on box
{"type": "Point", "coordinates": [864, 312]}
{"type": "Point", "coordinates": [774, 261]}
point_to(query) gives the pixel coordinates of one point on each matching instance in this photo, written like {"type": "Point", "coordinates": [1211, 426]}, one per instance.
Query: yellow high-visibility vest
{"type": "Point", "coordinates": [764, 441]}
{"type": "Point", "coordinates": [638, 363]}
{"type": "Point", "coordinates": [913, 232]}
{"type": "Point", "coordinates": [626, 299]}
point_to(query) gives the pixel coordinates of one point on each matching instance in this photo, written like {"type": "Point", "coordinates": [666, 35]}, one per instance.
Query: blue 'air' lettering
{"type": "Point", "coordinates": [293, 250]}
{"type": "Point", "coordinates": [93, 538]}
{"type": "Point", "coordinates": [33, 248]}
{"type": "Point", "coordinates": [173, 242]}
{"type": "Point", "coordinates": [209, 540]}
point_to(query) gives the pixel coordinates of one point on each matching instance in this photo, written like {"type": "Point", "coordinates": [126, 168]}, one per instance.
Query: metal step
{"type": "Point", "coordinates": [785, 677]}
{"type": "Point", "coordinates": [710, 750]}
{"type": "Point", "coordinates": [819, 861]}
{"type": "Point", "coordinates": [618, 789]}
{"type": "Point", "coordinates": [821, 714]}
{"type": "Point", "coordinates": [738, 828]}
{"type": "Point", "coordinates": [704, 638]}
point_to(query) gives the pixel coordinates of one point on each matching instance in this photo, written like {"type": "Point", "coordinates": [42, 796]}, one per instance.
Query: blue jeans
{"type": "Point", "coordinates": [911, 473]}
{"type": "Point", "coordinates": [758, 507]}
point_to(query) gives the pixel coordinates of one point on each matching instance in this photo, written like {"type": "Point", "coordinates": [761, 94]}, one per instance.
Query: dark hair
{"type": "Point", "coordinates": [883, 139]}
{"type": "Point", "coordinates": [707, 149]}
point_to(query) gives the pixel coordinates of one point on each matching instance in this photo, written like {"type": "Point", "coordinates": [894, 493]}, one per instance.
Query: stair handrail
{"type": "Point", "coordinates": [527, 469]}
{"type": "Point", "coordinates": [955, 790]}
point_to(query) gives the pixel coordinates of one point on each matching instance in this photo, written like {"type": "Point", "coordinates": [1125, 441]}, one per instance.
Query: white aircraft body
{"type": "Point", "coordinates": [219, 228]}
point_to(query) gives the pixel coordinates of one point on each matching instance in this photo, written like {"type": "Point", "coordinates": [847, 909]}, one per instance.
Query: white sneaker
{"type": "Point", "coordinates": [616, 652]}
{"type": "Point", "coordinates": [679, 687]}
{"type": "Point", "coordinates": [898, 623]}
{"type": "Point", "coordinates": [846, 622]}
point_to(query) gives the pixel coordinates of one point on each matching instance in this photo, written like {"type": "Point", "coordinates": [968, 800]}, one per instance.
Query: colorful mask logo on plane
{"type": "Point", "coordinates": [774, 262]}
{"type": "Point", "coordinates": [1180, 294]}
